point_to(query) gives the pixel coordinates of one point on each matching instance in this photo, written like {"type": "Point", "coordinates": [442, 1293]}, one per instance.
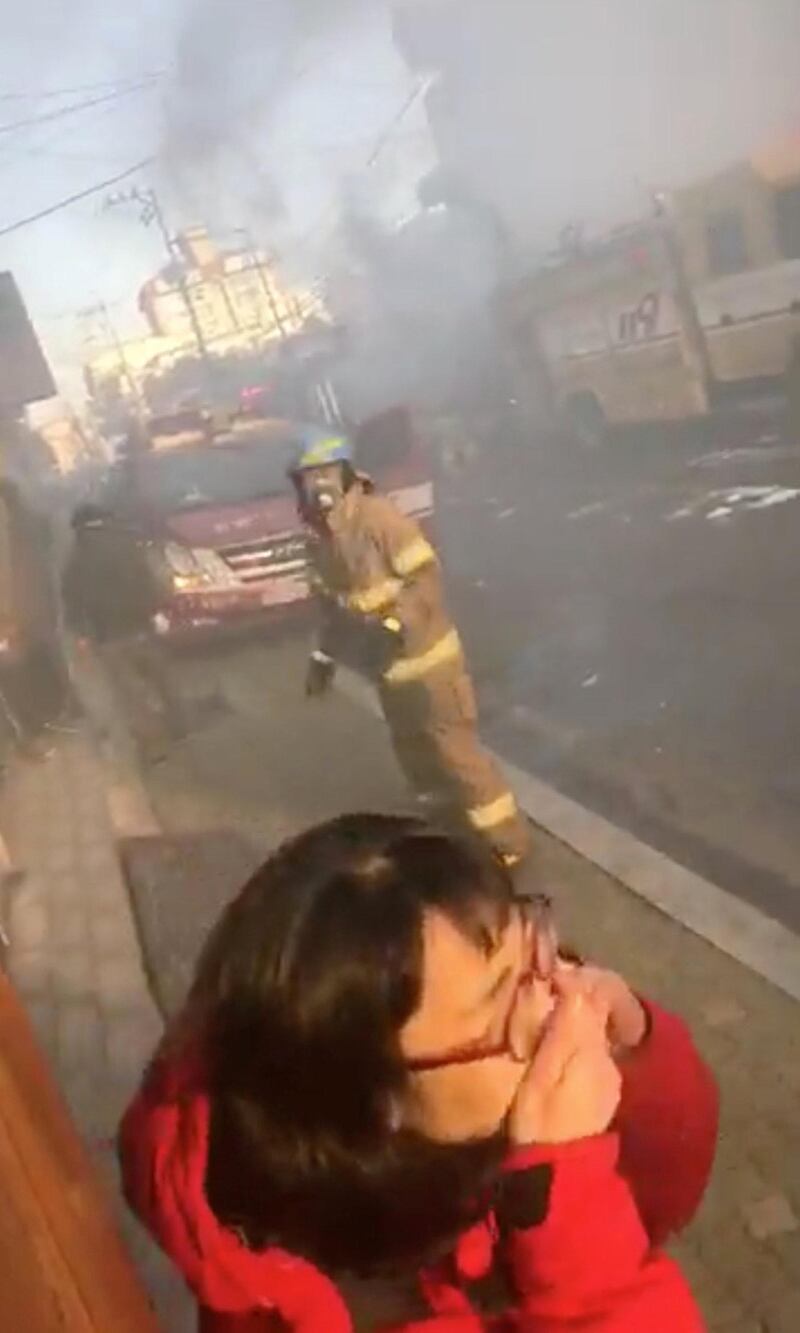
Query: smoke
{"type": "Point", "coordinates": [416, 301]}
{"type": "Point", "coordinates": [546, 114]}
{"type": "Point", "coordinates": [236, 64]}
{"type": "Point", "coordinates": [577, 110]}
{"type": "Point", "coordinates": [65, 26]}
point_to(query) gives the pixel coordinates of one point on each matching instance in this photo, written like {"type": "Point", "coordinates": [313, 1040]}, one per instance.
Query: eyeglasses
{"type": "Point", "coordinates": [536, 914]}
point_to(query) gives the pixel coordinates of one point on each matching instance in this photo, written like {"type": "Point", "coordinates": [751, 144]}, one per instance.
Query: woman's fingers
{"type": "Point", "coordinates": [591, 1086]}
{"type": "Point", "coordinates": [573, 1028]}
{"type": "Point", "coordinates": [574, 981]}
{"type": "Point", "coordinates": [533, 1006]}
{"type": "Point", "coordinates": [627, 1016]}
{"type": "Point", "coordinates": [572, 1087]}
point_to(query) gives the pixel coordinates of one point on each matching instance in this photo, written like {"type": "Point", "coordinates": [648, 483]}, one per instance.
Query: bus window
{"type": "Point", "coordinates": [726, 243]}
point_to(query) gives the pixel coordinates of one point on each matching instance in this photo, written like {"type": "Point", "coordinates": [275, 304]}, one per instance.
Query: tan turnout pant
{"type": "Point", "coordinates": [434, 728]}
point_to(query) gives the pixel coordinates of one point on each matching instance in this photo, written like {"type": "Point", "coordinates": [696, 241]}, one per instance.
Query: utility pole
{"type": "Point", "coordinates": [102, 310]}
{"type": "Point", "coordinates": [151, 211]}
{"type": "Point", "coordinates": [269, 291]}
{"type": "Point", "coordinates": [693, 335]}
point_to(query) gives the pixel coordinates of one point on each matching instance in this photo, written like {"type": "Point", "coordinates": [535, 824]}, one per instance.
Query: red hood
{"type": "Point", "coordinates": [605, 1274]}
{"type": "Point", "coordinates": [224, 525]}
{"type": "Point", "coordinates": [163, 1146]}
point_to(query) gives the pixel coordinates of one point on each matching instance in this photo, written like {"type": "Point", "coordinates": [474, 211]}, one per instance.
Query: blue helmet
{"type": "Point", "coordinates": [322, 449]}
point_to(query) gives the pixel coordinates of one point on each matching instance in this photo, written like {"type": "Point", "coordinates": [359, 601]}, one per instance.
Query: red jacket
{"type": "Point", "coordinates": [590, 1263]}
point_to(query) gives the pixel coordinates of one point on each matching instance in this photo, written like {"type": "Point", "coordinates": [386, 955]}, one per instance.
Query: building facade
{"type": "Point", "coordinates": [227, 295]}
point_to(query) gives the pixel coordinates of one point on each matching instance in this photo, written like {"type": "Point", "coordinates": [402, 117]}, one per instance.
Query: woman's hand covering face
{"type": "Point", "coordinates": [571, 1088]}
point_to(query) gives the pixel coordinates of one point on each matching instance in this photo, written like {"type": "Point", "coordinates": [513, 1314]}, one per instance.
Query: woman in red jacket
{"type": "Point", "coordinates": [385, 1068]}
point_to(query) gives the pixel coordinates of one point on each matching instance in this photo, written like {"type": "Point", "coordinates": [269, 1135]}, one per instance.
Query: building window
{"type": "Point", "coordinates": [726, 241]}
{"type": "Point", "coordinates": [787, 209]}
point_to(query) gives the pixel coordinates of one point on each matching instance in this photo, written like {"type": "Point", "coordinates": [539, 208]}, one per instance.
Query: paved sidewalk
{"type": "Point", "coordinates": [276, 764]}
{"type": "Point", "coordinates": [265, 771]}
{"type": "Point", "coordinates": [74, 959]}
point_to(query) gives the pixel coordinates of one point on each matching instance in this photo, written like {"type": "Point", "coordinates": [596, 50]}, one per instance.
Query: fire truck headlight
{"type": "Point", "coordinates": [197, 569]}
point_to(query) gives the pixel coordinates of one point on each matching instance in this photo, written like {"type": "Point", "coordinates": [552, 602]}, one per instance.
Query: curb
{"type": "Point", "coordinates": [733, 926]}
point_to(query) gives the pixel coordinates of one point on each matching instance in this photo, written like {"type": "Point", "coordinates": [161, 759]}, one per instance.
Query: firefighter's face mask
{"type": "Point", "coordinates": [323, 488]}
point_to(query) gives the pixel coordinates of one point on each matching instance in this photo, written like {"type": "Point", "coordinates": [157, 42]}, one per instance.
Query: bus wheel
{"type": "Point", "coordinates": [585, 420]}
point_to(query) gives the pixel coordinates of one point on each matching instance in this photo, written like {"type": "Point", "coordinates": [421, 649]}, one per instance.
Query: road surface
{"type": "Point", "coordinates": [631, 617]}
{"type": "Point", "coordinates": [631, 620]}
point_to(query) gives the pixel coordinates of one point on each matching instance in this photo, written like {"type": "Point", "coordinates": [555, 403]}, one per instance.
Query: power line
{"type": "Point", "coordinates": [27, 121]}
{"type": "Point", "coordinates": [44, 139]}
{"type": "Point", "coordinates": [76, 198]}
{"type": "Point", "coordinates": [109, 159]}
{"type": "Point", "coordinates": [387, 134]}
{"type": "Point", "coordinates": [390, 130]}
{"type": "Point", "coordinates": [71, 92]}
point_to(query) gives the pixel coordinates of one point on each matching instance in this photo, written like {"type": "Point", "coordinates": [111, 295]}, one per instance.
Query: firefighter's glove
{"type": "Point", "coordinates": [320, 674]}
{"type": "Point", "coordinates": [393, 637]}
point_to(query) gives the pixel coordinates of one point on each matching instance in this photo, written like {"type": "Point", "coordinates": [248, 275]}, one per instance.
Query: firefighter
{"type": "Point", "coordinates": [378, 584]}
{"type": "Point", "coordinates": [110, 599]}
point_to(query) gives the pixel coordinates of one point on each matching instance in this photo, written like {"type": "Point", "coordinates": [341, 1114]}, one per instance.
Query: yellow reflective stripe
{"type": "Point", "coordinates": [497, 812]}
{"type": "Point", "coordinates": [413, 668]}
{"type": "Point", "coordinates": [413, 557]}
{"type": "Point", "coordinates": [380, 595]}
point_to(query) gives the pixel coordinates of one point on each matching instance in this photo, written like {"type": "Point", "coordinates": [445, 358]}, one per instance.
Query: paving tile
{"type": "Point", "coordinates": [29, 970]}
{"type": "Point", "coordinates": [722, 1012]}
{"type": "Point", "coordinates": [69, 924]}
{"type": "Point", "coordinates": [28, 922]}
{"type": "Point", "coordinates": [72, 973]}
{"type": "Point", "coordinates": [131, 1041]}
{"type": "Point", "coordinates": [119, 981]}
{"type": "Point", "coordinates": [112, 932]}
{"type": "Point", "coordinates": [42, 1015]}
{"type": "Point", "coordinates": [772, 1216]}
{"type": "Point", "coordinates": [80, 1035]}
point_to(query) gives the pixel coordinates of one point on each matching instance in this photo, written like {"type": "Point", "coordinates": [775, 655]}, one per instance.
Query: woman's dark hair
{"type": "Point", "coordinates": [300, 995]}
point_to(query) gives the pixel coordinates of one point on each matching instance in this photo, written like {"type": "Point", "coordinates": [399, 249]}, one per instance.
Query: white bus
{"type": "Point", "coordinates": [665, 319]}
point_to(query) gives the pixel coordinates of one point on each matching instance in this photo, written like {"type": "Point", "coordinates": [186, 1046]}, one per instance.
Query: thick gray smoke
{"type": "Point", "coordinates": [423, 331]}
{"type": "Point", "coordinates": [554, 114]}
{"type": "Point", "coordinates": [575, 111]}
{"type": "Point", "coordinates": [235, 63]}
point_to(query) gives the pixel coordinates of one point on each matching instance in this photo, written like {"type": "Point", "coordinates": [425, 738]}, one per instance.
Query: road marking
{"type": "Point", "coordinates": [733, 926]}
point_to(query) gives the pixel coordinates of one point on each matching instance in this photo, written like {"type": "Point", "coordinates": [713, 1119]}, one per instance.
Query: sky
{"type": "Point", "coordinates": [258, 113]}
